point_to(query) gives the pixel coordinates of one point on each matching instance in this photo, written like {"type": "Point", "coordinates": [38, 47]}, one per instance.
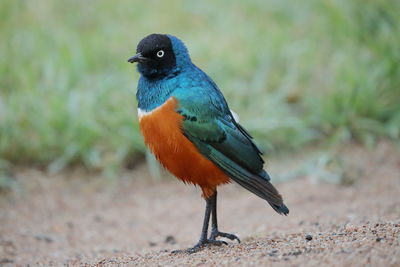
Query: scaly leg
{"type": "Point", "coordinates": [204, 241]}
{"type": "Point", "coordinates": [214, 223]}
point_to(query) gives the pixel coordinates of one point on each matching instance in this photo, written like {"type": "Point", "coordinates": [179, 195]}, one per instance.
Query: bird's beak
{"type": "Point", "coordinates": [137, 58]}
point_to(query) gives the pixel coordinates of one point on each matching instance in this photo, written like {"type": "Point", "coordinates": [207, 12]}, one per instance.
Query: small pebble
{"type": "Point", "coordinates": [45, 238]}
{"type": "Point", "coordinates": [308, 237]}
{"type": "Point", "coordinates": [296, 253]}
{"type": "Point", "coordinates": [170, 240]}
{"type": "Point", "coordinates": [378, 239]}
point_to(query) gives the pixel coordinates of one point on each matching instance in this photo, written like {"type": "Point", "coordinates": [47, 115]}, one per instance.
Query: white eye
{"type": "Point", "coordinates": [160, 53]}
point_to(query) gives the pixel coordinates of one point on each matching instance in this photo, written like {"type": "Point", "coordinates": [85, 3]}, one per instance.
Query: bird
{"type": "Point", "coordinates": [187, 124]}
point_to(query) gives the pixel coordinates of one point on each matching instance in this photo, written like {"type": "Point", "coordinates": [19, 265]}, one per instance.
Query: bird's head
{"type": "Point", "coordinates": [159, 55]}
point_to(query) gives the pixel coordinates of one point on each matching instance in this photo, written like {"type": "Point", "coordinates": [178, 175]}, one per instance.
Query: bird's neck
{"type": "Point", "coordinates": [152, 93]}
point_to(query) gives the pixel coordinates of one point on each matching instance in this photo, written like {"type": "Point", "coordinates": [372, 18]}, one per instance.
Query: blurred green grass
{"type": "Point", "coordinates": [296, 72]}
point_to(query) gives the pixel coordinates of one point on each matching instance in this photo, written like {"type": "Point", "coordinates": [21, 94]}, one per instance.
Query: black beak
{"type": "Point", "coordinates": [137, 58]}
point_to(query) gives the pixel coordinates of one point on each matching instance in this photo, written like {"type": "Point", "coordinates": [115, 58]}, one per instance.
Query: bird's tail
{"type": "Point", "coordinates": [258, 183]}
{"type": "Point", "coordinates": [261, 186]}
{"type": "Point", "coordinates": [282, 209]}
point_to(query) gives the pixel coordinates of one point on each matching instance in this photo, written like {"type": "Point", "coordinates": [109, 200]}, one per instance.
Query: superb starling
{"type": "Point", "coordinates": [189, 127]}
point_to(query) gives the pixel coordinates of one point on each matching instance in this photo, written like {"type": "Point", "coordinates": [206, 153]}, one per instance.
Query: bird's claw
{"type": "Point", "coordinates": [217, 233]}
{"type": "Point", "coordinates": [199, 246]}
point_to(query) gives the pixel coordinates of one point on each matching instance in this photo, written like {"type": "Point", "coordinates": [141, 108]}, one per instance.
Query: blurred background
{"type": "Point", "coordinates": [300, 74]}
{"type": "Point", "coordinates": [316, 82]}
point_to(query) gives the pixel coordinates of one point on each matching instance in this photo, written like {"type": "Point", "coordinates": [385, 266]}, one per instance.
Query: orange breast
{"type": "Point", "coordinates": [162, 133]}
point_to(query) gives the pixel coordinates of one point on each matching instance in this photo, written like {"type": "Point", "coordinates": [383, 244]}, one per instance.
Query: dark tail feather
{"type": "Point", "coordinates": [261, 187]}
{"type": "Point", "coordinates": [282, 209]}
{"type": "Point", "coordinates": [256, 183]}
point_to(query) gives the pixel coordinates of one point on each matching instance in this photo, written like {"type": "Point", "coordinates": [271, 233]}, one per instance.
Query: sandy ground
{"type": "Point", "coordinates": [64, 220]}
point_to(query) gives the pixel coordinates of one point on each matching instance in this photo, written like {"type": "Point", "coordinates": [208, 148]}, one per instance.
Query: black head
{"type": "Point", "coordinates": [155, 56]}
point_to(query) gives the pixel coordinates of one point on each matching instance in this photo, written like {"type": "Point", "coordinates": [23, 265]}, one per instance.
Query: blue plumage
{"type": "Point", "coordinates": [206, 128]}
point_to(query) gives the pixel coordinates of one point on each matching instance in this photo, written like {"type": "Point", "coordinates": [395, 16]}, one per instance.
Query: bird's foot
{"type": "Point", "coordinates": [216, 233]}
{"type": "Point", "coordinates": [199, 246]}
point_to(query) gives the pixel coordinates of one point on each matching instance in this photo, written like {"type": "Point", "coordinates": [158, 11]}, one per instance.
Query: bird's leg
{"type": "Point", "coordinates": [214, 223]}
{"type": "Point", "coordinates": [204, 241]}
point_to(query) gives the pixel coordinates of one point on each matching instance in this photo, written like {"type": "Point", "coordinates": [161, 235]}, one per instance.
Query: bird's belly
{"type": "Point", "coordinates": [162, 133]}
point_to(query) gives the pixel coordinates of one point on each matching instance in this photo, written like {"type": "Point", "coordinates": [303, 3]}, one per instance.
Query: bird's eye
{"type": "Point", "coordinates": [160, 53]}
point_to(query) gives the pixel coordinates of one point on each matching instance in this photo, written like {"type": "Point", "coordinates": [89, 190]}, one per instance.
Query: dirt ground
{"type": "Point", "coordinates": [71, 220]}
